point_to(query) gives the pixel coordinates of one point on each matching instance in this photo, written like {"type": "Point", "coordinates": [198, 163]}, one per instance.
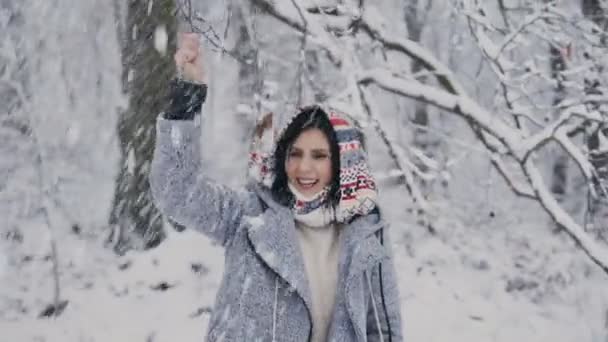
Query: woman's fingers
{"type": "Point", "coordinates": [188, 58]}
{"type": "Point", "coordinates": [191, 43]}
{"type": "Point", "coordinates": [188, 40]}
{"type": "Point", "coordinates": [189, 46]}
{"type": "Point", "coordinates": [180, 58]}
{"type": "Point", "coordinates": [188, 55]}
{"type": "Point", "coordinates": [183, 56]}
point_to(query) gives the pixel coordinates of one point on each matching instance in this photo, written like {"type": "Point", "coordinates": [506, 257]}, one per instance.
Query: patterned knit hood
{"type": "Point", "coordinates": [358, 191]}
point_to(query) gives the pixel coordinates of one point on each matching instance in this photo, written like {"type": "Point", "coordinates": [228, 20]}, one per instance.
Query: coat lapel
{"type": "Point", "coordinates": [367, 251]}
{"type": "Point", "coordinates": [361, 240]}
{"type": "Point", "coordinates": [273, 235]}
{"type": "Point", "coordinates": [274, 239]}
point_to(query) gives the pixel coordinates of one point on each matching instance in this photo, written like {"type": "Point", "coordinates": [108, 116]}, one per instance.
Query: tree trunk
{"type": "Point", "coordinates": [14, 128]}
{"type": "Point", "coordinates": [421, 116]}
{"type": "Point", "coordinates": [415, 19]}
{"type": "Point", "coordinates": [250, 78]}
{"type": "Point", "coordinates": [559, 169]}
{"type": "Point", "coordinates": [597, 213]}
{"type": "Point", "coordinates": [146, 74]}
{"type": "Point", "coordinates": [11, 97]}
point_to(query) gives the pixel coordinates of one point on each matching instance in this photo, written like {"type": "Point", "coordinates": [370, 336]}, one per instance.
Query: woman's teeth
{"type": "Point", "coordinates": [307, 183]}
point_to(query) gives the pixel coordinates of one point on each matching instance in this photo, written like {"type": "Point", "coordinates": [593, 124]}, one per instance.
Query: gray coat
{"type": "Point", "coordinates": [264, 294]}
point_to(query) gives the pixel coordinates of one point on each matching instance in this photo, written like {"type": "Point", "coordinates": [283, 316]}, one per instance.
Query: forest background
{"type": "Point", "coordinates": [487, 131]}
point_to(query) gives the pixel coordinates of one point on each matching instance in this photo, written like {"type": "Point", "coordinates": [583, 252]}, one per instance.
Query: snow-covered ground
{"type": "Point", "coordinates": [464, 283]}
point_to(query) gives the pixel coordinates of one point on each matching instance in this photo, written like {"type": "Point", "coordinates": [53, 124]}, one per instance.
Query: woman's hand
{"type": "Point", "coordinates": [188, 57]}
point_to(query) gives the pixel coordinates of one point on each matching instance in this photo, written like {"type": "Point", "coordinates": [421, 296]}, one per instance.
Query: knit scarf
{"type": "Point", "coordinates": [312, 211]}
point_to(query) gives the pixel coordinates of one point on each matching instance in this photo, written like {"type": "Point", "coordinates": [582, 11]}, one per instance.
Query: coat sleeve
{"type": "Point", "coordinates": [386, 296]}
{"type": "Point", "coordinates": [183, 193]}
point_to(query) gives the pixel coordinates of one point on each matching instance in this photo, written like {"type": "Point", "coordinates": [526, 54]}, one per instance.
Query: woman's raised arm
{"type": "Point", "coordinates": [180, 190]}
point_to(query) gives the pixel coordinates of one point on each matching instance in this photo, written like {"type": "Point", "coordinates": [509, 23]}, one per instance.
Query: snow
{"type": "Point", "coordinates": [3, 262]}
{"type": "Point", "coordinates": [115, 298]}
{"type": "Point", "coordinates": [450, 291]}
{"type": "Point", "coordinates": [131, 162]}
{"type": "Point", "coordinates": [73, 134]}
{"type": "Point", "coordinates": [176, 136]}
{"type": "Point", "coordinates": [471, 303]}
{"type": "Point", "coordinates": [482, 265]}
{"type": "Point", "coordinates": [255, 221]}
{"type": "Point", "coordinates": [161, 39]}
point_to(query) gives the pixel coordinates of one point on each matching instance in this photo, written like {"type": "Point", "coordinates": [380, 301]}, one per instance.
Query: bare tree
{"type": "Point", "coordinates": [597, 137]}
{"type": "Point", "coordinates": [18, 127]}
{"type": "Point", "coordinates": [246, 48]}
{"type": "Point", "coordinates": [559, 172]}
{"type": "Point", "coordinates": [416, 15]}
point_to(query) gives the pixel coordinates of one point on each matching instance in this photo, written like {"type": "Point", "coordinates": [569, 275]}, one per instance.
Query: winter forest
{"type": "Point", "coordinates": [486, 126]}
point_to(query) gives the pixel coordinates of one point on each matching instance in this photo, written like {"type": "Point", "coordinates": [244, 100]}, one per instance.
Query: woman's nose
{"type": "Point", "coordinates": [305, 164]}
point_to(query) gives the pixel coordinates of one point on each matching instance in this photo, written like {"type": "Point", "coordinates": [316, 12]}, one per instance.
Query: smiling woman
{"type": "Point", "coordinates": [307, 255]}
{"type": "Point", "coordinates": [308, 163]}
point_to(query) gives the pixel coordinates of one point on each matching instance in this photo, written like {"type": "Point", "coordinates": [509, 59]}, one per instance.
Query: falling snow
{"type": "Point", "coordinates": [482, 265]}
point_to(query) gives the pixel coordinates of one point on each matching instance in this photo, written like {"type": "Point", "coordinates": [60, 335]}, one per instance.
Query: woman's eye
{"type": "Point", "coordinates": [295, 154]}
{"type": "Point", "coordinates": [320, 156]}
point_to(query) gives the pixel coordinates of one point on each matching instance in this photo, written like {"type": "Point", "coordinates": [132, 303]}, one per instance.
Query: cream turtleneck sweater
{"type": "Point", "coordinates": [320, 247]}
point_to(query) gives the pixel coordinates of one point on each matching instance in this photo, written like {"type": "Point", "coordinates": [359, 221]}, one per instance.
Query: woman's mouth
{"type": "Point", "coordinates": [306, 183]}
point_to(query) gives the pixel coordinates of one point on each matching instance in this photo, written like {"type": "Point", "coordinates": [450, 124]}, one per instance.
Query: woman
{"type": "Point", "coordinates": [306, 256]}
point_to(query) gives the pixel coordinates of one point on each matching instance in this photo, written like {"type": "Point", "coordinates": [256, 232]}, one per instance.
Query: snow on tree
{"type": "Point", "coordinates": [517, 127]}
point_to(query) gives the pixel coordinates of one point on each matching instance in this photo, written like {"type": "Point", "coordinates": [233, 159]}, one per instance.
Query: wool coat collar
{"type": "Point", "coordinates": [275, 242]}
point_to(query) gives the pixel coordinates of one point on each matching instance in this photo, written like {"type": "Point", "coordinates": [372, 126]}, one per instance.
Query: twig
{"type": "Point", "coordinates": [302, 59]}
{"type": "Point", "coordinates": [210, 34]}
{"type": "Point", "coordinates": [407, 177]}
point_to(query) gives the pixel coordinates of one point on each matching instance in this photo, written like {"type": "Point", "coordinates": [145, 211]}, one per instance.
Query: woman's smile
{"type": "Point", "coordinates": [308, 163]}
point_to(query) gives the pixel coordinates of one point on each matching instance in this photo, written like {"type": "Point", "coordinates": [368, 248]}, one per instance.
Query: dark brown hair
{"type": "Point", "coordinates": [308, 118]}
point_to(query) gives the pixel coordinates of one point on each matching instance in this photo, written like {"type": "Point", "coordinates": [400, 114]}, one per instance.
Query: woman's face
{"type": "Point", "coordinates": [308, 162]}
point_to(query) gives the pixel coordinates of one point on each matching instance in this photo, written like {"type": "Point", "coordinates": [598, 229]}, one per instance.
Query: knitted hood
{"type": "Point", "coordinates": [358, 190]}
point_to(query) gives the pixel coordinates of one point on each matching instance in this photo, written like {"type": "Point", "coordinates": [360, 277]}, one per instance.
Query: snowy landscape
{"type": "Point", "coordinates": [478, 115]}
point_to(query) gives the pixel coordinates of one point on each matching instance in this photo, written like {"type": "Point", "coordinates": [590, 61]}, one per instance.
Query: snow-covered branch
{"type": "Point", "coordinates": [285, 12]}
{"type": "Point", "coordinates": [507, 144]}
{"type": "Point", "coordinates": [372, 25]}
{"type": "Point", "coordinates": [595, 251]}
{"type": "Point", "coordinates": [517, 187]}
{"type": "Point", "coordinates": [461, 105]}
{"type": "Point", "coordinates": [395, 153]}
